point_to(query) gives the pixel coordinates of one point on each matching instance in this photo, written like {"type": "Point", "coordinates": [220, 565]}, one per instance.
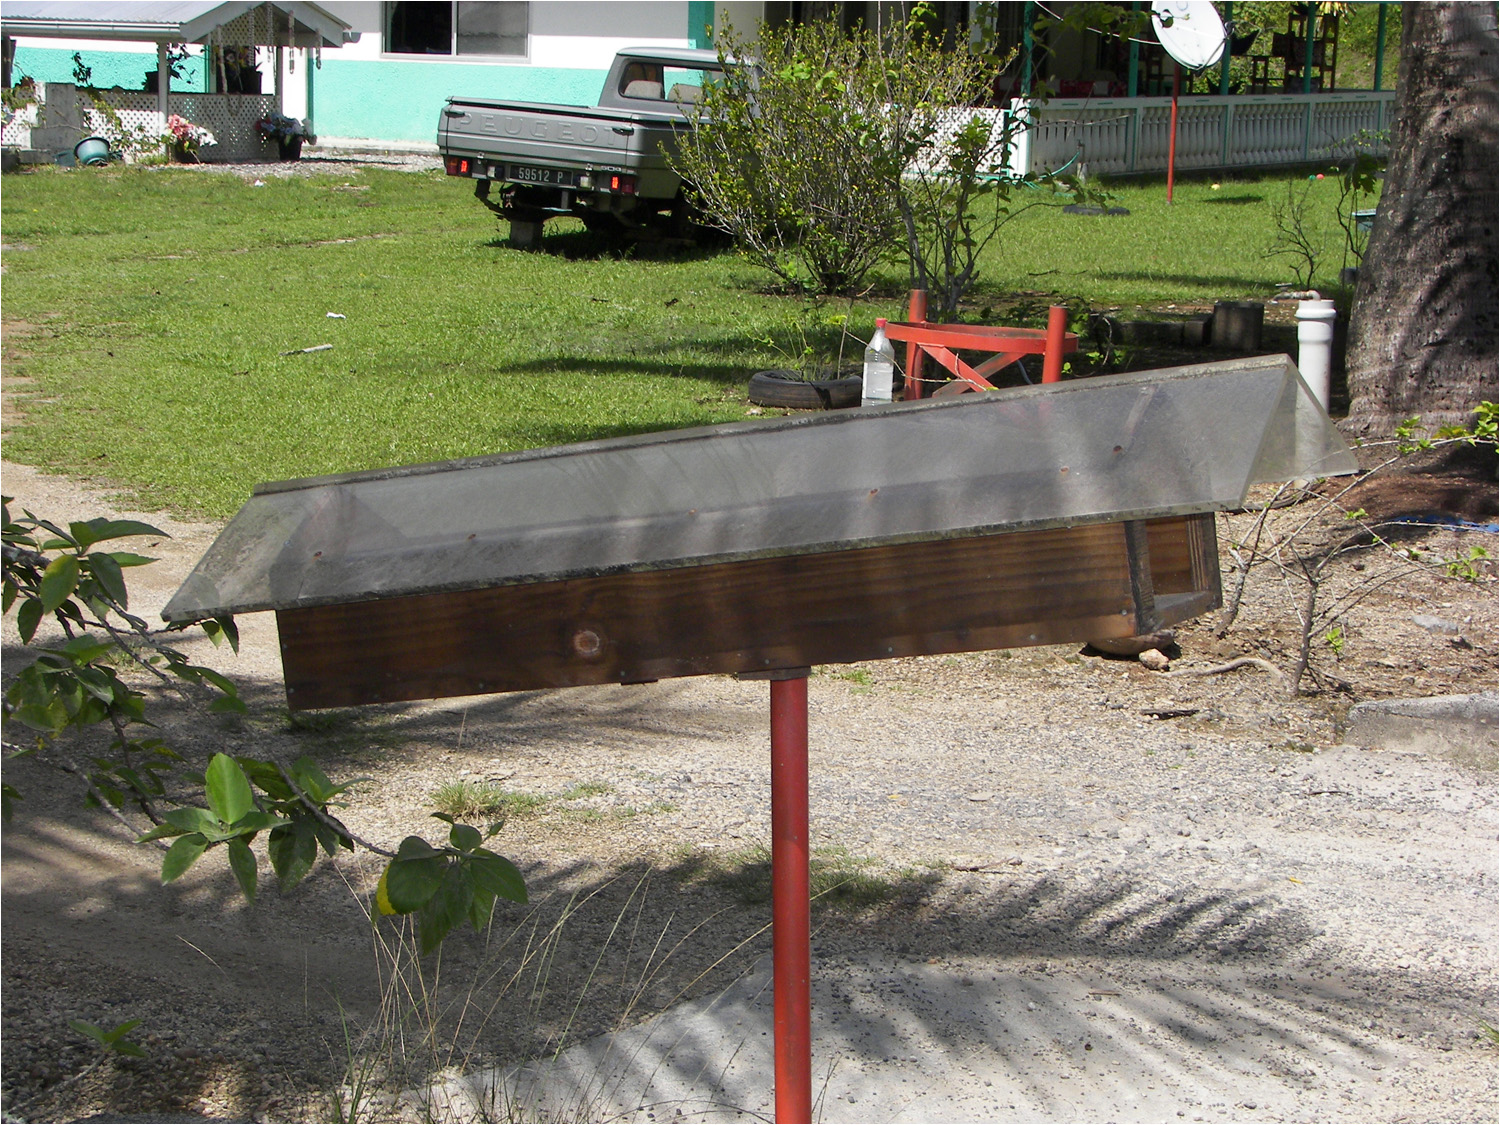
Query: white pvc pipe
{"type": "Point", "coordinates": [1315, 346]}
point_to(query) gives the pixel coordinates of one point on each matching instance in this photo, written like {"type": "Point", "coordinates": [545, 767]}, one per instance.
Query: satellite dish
{"type": "Point", "coordinates": [1190, 31]}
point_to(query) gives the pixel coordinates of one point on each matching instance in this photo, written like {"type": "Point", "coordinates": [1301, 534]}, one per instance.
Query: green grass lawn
{"type": "Point", "coordinates": [149, 310]}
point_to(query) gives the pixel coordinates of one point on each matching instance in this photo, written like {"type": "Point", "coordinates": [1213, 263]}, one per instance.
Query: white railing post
{"type": "Point", "coordinates": [163, 81]}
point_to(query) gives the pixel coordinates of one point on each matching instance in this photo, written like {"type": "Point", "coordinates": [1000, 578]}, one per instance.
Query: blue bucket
{"type": "Point", "coordinates": [92, 150]}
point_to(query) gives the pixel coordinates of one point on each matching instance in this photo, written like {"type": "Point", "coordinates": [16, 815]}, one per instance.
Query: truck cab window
{"type": "Point", "coordinates": [642, 80]}
{"type": "Point", "coordinates": [421, 27]}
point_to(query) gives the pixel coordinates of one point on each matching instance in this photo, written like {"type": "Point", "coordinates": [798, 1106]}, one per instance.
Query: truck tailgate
{"type": "Point", "coordinates": [551, 135]}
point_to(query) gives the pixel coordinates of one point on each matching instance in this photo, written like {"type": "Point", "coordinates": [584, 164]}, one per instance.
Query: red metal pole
{"type": "Point", "coordinates": [1172, 135]}
{"type": "Point", "coordinates": [791, 928]}
{"type": "Point", "coordinates": [1052, 358]}
{"type": "Point", "coordinates": [916, 312]}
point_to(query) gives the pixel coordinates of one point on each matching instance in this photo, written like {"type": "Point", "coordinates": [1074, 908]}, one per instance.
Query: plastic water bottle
{"type": "Point", "coordinates": [880, 367]}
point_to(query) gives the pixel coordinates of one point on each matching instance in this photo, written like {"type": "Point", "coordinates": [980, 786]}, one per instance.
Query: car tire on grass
{"type": "Point", "coordinates": [786, 389]}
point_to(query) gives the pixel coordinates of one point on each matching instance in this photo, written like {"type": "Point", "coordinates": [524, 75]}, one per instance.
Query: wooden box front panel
{"type": "Point", "coordinates": [956, 595]}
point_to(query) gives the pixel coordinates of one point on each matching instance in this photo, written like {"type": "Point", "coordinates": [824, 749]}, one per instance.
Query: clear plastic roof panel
{"type": "Point", "coordinates": [1131, 446]}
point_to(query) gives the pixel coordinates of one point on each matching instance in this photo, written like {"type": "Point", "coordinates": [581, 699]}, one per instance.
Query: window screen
{"type": "Point", "coordinates": [491, 29]}
{"type": "Point", "coordinates": [484, 29]}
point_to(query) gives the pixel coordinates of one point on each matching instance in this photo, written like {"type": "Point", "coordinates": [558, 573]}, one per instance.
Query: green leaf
{"type": "Point", "coordinates": [59, 581]}
{"type": "Point", "coordinates": [411, 883]}
{"type": "Point", "coordinates": [265, 776]}
{"type": "Point", "coordinates": [223, 683]}
{"type": "Point", "coordinates": [256, 821]}
{"type": "Point", "coordinates": [331, 838]}
{"type": "Point", "coordinates": [480, 908]}
{"type": "Point", "coordinates": [293, 849]}
{"type": "Point", "coordinates": [111, 579]}
{"type": "Point", "coordinates": [189, 818]}
{"type": "Point", "coordinates": [220, 629]}
{"type": "Point", "coordinates": [498, 875]}
{"type": "Point", "coordinates": [228, 789]}
{"type": "Point", "coordinates": [126, 1047]}
{"type": "Point", "coordinates": [129, 558]}
{"type": "Point", "coordinates": [414, 847]}
{"type": "Point", "coordinates": [160, 832]}
{"type": "Point", "coordinates": [121, 1030]}
{"type": "Point", "coordinates": [28, 617]}
{"type": "Point", "coordinates": [89, 532]}
{"type": "Point", "coordinates": [242, 863]}
{"type": "Point", "coordinates": [312, 781]}
{"type": "Point", "coordinates": [182, 855]}
{"type": "Point", "coordinates": [85, 649]}
{"type": "Point", "coordinates": [445, 909]}
{"type": "Point", "coordinates": [465, 837]}
{"type": "Point", "coordinates": [93, 1031]}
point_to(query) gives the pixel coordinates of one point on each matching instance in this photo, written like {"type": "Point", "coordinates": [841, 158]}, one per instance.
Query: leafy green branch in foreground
{"type": "Point", "coordinates": [72, 684]}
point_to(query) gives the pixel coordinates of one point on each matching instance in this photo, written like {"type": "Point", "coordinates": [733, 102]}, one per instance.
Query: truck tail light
{"type": "Point", "coordinates": [622, 185]}
{"type": "Point", "coordinates": [458, 165]}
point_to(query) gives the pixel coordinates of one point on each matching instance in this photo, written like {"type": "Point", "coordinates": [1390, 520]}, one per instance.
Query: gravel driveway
{"type": "Point", "coordinates": [1221, 914]}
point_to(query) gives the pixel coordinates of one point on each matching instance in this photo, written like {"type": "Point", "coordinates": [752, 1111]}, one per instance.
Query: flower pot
{"type": "Point", "coordinates": [290, 149]}
{"type": "Point", "coordinates": [92, 150]}
{"type": "Point", "coordinates": [182, 154]}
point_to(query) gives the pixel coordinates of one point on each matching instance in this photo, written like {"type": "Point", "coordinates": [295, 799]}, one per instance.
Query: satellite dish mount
{"type": "Point", "coordinates": [1193, 34]}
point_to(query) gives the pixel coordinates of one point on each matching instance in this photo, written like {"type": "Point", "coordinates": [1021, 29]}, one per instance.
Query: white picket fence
{"type": "Point", "coordinates": [1122, 135]}
{"type": "Point", "coordinates": [64, 116]}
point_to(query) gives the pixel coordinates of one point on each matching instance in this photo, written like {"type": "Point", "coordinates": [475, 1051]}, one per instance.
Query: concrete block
{"type": "Point", "coordinates": [1461, 728]}
{"type": "Point", "coordinates": [1197, 330]}
{"type": "Point", "coordinates": [1237, 325]}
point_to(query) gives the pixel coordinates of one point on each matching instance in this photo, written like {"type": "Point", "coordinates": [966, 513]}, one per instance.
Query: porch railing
{"type": "Point", "coordinates": [64, 116]}
{"type": "Point", "coordinates": [1122, 135]}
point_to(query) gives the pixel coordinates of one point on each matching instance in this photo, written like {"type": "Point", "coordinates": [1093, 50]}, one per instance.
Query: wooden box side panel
{"type": "Point", "coordinates": [1002, 591]}
{"type": "Point", "coordinates": [1184, 566]}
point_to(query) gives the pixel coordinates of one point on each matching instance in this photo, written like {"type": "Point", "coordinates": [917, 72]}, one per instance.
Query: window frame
{"type": "Point", "coordinates": [454, 55]}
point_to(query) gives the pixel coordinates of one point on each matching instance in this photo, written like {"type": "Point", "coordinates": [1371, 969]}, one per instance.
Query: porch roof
{"type": "Point", "coordinates": [295, 24]}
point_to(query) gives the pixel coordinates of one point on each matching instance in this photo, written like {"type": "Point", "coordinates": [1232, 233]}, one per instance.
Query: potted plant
{"type": "Point", "coordinates": [287, 132]}
{"type": "Point", "coordinates": [184, 139]}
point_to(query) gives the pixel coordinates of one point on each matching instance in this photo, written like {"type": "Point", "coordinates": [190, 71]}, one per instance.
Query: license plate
{"type": "Point", "coordinates": [529, 174]}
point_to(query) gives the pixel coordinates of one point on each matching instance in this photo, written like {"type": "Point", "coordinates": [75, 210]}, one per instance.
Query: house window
{"type": "Point", "coordinates": [456, 27]}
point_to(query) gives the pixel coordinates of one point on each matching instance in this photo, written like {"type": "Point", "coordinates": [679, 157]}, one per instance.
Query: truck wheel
{"type": "Point", "coordinates": [786, 389]}
{"type": "Point", "coordinates": [686, 224]}
{"type": "Point", "coordinates": [604, 224]}
{"type": "Point", "coordinates": [525, 235]}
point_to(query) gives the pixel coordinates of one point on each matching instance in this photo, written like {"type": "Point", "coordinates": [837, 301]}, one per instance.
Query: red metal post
{"type": "Point", "coordinates": [1172, 133]}
{"type": "Point", "coordinates": [916, 313]}
{"type": "Point", "coordinates": [791, 930]}
{"type": "Point", "coordinates": [1052, 358]}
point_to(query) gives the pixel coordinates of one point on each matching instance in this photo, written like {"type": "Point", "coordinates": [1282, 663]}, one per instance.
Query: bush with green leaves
{"type": "Point", "coordinates": [837, 149]}
{"type": "Point", "coordinates": [79, 681]}
{"type": "Point", "coordinates": [795, 156]}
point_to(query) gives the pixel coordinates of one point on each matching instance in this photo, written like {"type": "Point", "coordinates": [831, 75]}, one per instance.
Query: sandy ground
{"type": "Point", "coordinates": [1059, 905]}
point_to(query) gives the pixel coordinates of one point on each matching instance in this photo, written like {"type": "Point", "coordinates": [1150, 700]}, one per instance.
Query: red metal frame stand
{"type": "Point", "coordinates": [942, 342]}
{"type": "Point", "coordinates": [791, 923]}
{"type": "Point", "coordinates": [1057, 334]}
{"type": "Point", "coordinates": [916, 313]}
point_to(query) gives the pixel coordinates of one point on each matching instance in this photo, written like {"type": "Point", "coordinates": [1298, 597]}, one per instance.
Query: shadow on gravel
{"type": "Point", "coordinates": [290, 994]}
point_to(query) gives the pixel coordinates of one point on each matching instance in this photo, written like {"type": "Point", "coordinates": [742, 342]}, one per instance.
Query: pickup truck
{"type": "Point", "coordinates": [606, 164]}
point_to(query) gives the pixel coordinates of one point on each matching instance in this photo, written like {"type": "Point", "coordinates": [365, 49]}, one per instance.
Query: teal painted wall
{"type": "Point", "coordinates": [111, 68]}
{"type": "Point", "coordinates": [400, 101]}
{"type": "Point", "coordinates": [700, 17]}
